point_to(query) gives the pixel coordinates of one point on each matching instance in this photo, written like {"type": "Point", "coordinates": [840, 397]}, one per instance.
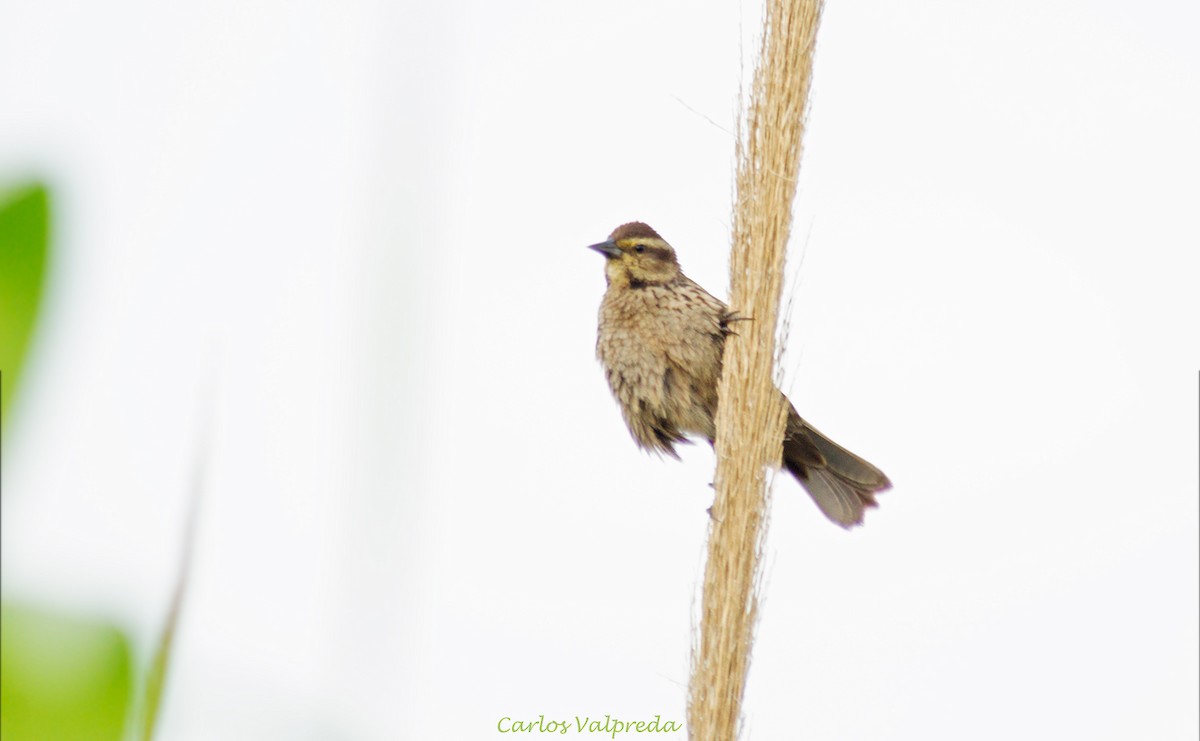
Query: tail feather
{"type": "Point", "coordinates": [842, 484]}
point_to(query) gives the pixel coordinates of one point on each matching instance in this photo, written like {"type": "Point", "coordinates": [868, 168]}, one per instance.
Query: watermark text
{"type": "Point", "coordinates": [609, 725]}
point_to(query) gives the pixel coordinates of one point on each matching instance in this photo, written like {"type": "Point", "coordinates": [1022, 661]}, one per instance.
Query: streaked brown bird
{"type": "Point", "coordinates": [661, 339]}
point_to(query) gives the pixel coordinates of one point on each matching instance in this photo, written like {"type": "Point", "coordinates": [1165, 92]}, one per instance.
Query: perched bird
{"type": "Point", "coordinates": [661, 339]}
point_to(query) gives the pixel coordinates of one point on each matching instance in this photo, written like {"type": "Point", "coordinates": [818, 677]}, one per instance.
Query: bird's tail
{"type": "Point", "coordinates": [842, 484]}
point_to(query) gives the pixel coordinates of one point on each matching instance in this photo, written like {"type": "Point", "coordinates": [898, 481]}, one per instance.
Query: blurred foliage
{"type": "Point", "coordinates": [24, 242]}
{"type": "Point", "coordinates": [156, 680]}
{"type": "Point", "coordinates": [62, 677]}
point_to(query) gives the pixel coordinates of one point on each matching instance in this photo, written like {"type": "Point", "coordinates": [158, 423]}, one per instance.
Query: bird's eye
{"type": "Point", "coordinates": [639, 248]}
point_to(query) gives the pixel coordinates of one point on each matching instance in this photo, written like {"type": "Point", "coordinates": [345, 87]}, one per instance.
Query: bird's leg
{"type": "Point", "coordinates": [733, 316]}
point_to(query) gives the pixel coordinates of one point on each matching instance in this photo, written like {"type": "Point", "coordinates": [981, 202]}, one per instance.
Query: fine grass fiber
{"type": "Point", "coordinates": [751, 414]}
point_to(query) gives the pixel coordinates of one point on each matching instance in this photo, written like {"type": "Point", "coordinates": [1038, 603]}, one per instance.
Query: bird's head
{"type": "Point", "coordinates": [635, 256]}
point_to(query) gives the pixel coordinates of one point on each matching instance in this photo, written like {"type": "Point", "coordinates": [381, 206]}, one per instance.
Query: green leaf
{"type": "Point", "coordinates": [24, 244]}
{"type": "Point", "coordinates": [62, 677]}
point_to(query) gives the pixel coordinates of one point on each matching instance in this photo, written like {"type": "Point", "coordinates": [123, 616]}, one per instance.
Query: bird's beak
{"type": "Point", "coordinates": [608, 248]}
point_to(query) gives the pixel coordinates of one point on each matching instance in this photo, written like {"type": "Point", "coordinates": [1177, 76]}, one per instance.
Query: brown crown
{"type": "Point", "coordinates": [633, 230]}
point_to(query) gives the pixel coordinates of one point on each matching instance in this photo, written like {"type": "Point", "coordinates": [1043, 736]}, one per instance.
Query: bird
{"type": "Point", "coordinates": [660, 342]}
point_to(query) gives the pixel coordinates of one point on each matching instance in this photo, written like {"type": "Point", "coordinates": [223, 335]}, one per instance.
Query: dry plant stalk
{"type": "Point", "coordinates": [751, 413]}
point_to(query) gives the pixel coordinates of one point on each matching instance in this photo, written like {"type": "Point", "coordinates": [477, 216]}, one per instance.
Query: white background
{"type": "Point", "coordinates": [361, 225]}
